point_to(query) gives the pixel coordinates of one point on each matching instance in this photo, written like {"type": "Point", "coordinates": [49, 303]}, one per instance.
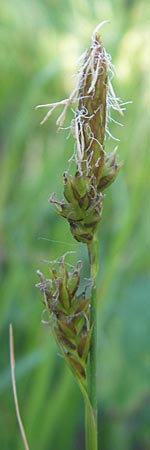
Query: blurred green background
{"type": "Point", "coordinates": [41, 41]}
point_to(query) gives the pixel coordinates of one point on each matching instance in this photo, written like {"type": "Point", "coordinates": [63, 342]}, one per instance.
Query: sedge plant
{"type": "Point", "coordinates": [73, 314]}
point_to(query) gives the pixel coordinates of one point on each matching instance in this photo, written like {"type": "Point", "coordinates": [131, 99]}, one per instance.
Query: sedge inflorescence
{"type": "Point", "coordinates": [68, 312]}
{"type": "Point", "coordinates": [83, 199]}
{"type": "Point", "coordinates": [95, 169]}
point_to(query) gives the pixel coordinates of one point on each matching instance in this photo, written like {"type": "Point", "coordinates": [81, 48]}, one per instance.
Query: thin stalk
{"type": "Point", "coordinates": [90, 428]}
{"type": "Point", "coordinates": [93, 259]}
{"type": "Point", "coordinates": [12, 364]}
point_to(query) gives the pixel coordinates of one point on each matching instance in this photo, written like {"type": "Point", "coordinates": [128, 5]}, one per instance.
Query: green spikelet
{"type": "Point", "coordinates": [68, 315]}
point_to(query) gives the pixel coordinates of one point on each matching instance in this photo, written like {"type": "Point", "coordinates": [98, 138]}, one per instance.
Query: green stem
{"type": "Point", "coordinates": [90, 428]}
{"type": "Point", "coordinates": [93, 259]}
{"type": "Point", "coordinates": [90, 422]}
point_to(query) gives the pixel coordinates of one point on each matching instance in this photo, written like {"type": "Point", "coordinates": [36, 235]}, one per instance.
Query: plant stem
{"type": "Point", "coordinates": [93, 259]}
{"type": "Point", "coordinates": [90, 428]}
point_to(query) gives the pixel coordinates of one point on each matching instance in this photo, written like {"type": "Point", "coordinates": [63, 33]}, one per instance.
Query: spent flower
{"type": "Point", "coordinates": [95, 169]}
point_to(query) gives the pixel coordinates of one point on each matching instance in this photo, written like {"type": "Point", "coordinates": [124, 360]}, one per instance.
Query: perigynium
{"type": "Point", "coordinates": [73, 316]}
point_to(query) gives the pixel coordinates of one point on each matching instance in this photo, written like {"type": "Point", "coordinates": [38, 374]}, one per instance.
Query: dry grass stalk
{"type": "Point", "coordinates": [12, 364]}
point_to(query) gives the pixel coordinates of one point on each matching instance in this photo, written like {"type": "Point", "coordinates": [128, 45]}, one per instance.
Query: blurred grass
{"type": "Point", "coordinates": [40, 43]}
